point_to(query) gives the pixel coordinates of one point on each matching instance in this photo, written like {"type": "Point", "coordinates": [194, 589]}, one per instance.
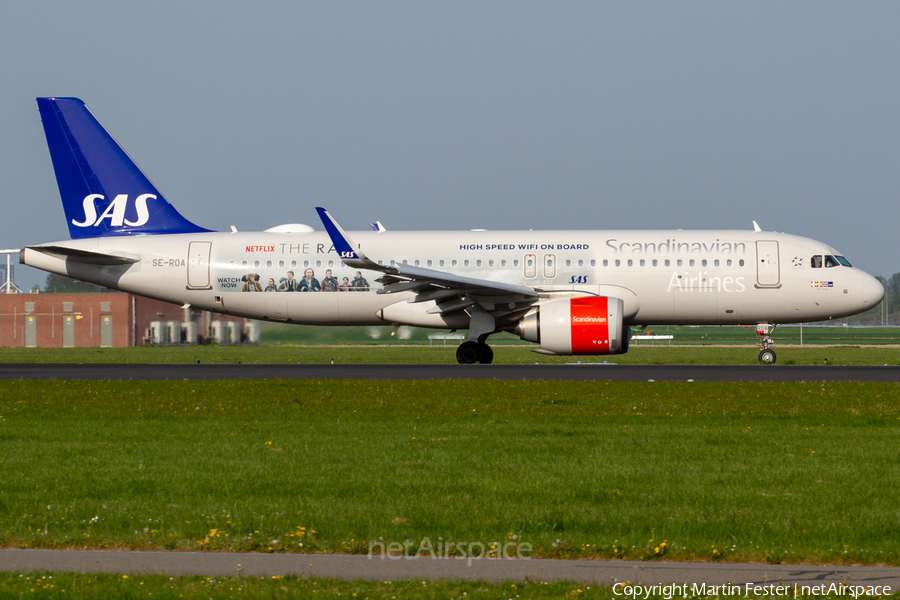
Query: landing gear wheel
{"type": "Point", "coordinates": [468, 353]}
{"type": "Point", "coordinates": [767, 357]}
{"type": "Point", "coordinates": [486, 355]}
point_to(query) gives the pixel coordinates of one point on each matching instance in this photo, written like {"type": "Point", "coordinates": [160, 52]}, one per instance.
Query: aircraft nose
{"type": "Point", "coordinates": [872, 291]}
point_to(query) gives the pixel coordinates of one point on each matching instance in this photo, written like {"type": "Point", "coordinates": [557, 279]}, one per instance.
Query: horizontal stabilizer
{"type": "Point", "coordinates": [86, 256]}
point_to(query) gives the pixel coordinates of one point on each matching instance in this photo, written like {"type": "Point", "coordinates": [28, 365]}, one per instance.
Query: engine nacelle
{"type": "Point", "coordinates": [585, 325]}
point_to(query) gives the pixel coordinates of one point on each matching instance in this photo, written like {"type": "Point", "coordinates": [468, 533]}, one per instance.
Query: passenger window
{"type": "Point", "coordinates": [594, 263]}
{"type": "Point", "coordinates": [268, 264]}
{"type": "Point", "coordinates": [515, 262]}
{"type": "Point", "coordinates": [679, 262]}
{"type": "Point", "coordinates": [618, 263]}
{"type": "Point", "coordinates": [831, 261]}
{"type": "Point", "coordinates": [568, 262]}
{"type": "Point", "coordinates": [453, 263]}
{"type": "Point", "coordinates": [605, 263]}
{"type": "Point", "coordinates": [491, 262]}
{"type": "Point", "coordinates": [655, 262]}
{"type": "Point", "coordinates": [643, 263]}
{"type": "Point", "coordinates": [816, 261]}
{"type": "Point", "coordinates": [728, 263]}
{"type": "Point", "coordinates": [243, 263]}
{"type": "Point", "coordinates": [716, 262]}
{"type": "Point", "coordinates": [703, 263]}
{"type": "Point", "coordinates": [442, 262]}
{"type": "Point", "coordinates": [294, 264]}
{"type": "Point", "coordinates": [741, 263]}
{"type": "Point", "coordinates": [428, 263]}
{"type": "Point", "coordinates": [630, 263]}
{"type": "Point", "coordinates": [502, 262]}
{"type": "Point", "coordinates": [319, 263]}
{"type": "Point", "coordinates": [692, 262]}
{"type": "Point", "coordinates": [580, 262]}
{"type": "Point", "coordinates": [416, 263]}
{"type": "Point", "coordinates": [280, 264]}
{"type": "Point", "coordinates": [668, 263]}
{"type": "Point", "coordinates": [466, 263]}
{"type": "Point", "coordinates": [478, 263]}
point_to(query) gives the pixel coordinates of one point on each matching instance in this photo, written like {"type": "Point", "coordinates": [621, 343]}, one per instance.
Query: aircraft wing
{"type": "Point", "coordinates": [451, 292]}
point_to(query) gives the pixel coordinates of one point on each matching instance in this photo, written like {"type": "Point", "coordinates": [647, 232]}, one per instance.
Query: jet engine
{"type": "Point", "coordinates": [585, 325]}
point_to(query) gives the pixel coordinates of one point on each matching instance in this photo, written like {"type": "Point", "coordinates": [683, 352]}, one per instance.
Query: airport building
{"type": "Point", "coordinates": [113, 320]}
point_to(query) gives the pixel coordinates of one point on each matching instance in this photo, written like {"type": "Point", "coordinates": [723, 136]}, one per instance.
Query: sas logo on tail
{"type": "Point", "coordinates": [115, 212]}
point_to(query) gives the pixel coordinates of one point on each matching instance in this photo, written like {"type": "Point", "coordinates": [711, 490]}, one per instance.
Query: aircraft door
{"type": "Point", "coordinates": [198, 265]}
{"type": "Point", "coordinates": [767, 270]}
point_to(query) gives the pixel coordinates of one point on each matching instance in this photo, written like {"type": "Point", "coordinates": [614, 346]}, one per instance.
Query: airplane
{"type": "Point", "coordinates": [573, 292]}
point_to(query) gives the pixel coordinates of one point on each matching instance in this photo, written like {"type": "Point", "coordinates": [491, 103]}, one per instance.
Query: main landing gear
{"type": "Point", "coordinates": [472, 352]}
{"type": "Point", "coordinates": [481, 325]}
{"type": "Point", "coordinates": [766, 354]}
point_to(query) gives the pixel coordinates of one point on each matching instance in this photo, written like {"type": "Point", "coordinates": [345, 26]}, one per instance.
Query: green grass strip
{"type": "Point", "coordinates": [78, 586]}
{"type": "Point", "coordinates": [746, 471]}
{"type": "Point", "coordinates": [640, 355]}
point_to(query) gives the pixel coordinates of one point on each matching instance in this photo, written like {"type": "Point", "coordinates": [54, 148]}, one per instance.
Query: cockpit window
{"type": "Point", "coordinates": [843, 261]}
{"type": "Point", "coordinates": [816, 262]}
{"type": "Point", "coordinates": [831, 261]}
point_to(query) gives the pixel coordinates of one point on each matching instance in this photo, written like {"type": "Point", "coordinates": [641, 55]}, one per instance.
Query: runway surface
{"type": "Point", "coordinates": [567, 372]}
{"type": "Point", "coordinates": [599, 572]}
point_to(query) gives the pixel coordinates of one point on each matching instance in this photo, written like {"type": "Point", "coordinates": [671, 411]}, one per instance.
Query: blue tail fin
{"type": "Point", "coordinates": [103, 192]}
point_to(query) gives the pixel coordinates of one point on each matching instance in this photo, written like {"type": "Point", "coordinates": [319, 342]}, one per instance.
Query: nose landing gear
{"type": "Point", "coordinates": [766, 355]}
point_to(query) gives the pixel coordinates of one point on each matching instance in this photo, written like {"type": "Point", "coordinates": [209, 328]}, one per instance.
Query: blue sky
{"type": "Point", "coordinates": [502, 115]}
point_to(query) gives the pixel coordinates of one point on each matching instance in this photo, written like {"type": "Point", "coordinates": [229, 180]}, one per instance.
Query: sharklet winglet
{"type": "Point", "coordinates": [343, 245]}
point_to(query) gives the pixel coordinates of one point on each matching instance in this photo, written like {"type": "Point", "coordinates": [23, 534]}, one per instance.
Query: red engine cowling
{"type": "Point", "coordinates": [586, 325]}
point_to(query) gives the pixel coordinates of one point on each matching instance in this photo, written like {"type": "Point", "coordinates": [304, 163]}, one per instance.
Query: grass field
{"type": "Point", "coordinates": [72, 586]}
{"type": "Point", "coordinates": [759, 472]}
{"type": "Point", "coordinates": [847, 355]}
{"type": "Point", "coordinates": [280, 334]}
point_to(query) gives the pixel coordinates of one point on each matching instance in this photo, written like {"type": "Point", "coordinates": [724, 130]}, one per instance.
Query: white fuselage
{"type": "Point", "coordinates": [664, 277]}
